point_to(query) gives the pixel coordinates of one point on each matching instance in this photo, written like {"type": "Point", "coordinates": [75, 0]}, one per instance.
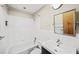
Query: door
{"type": "Point", "coordinates": [68, 22]}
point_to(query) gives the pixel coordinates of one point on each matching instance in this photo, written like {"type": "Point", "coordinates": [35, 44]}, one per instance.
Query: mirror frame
{"type": "Point", "coordinates": [73, 20]}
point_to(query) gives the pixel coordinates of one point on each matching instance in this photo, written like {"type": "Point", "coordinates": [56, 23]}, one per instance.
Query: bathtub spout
{"type": "Point", "coordinates": [35, 40]}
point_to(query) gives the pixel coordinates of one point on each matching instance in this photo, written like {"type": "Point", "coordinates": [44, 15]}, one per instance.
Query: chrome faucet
{"type": "Point", "coordinates": [58, 42]}
{"type": "Point", "coordinates": [35, 40]}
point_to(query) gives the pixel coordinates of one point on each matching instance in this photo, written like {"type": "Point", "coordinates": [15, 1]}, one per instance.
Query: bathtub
{"type": "Point", "coordinates": [25, 48]}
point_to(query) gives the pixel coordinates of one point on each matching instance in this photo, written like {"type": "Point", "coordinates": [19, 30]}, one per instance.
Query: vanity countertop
{"type": "Point", "coordinates": [68, 46]}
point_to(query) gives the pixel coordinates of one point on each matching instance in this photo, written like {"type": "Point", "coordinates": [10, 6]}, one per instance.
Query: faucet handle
{"type": "Point", "coordinates": [58, 41]}
{"type": "Point", "coordinates": [34, 40]}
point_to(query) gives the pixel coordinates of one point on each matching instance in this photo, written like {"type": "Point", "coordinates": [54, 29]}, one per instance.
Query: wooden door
{"type": "Point", "coordinates": [68, 22]}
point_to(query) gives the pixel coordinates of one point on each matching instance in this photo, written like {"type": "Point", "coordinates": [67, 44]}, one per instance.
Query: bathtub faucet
{"type": "Point", "coordinates": [35, 40]}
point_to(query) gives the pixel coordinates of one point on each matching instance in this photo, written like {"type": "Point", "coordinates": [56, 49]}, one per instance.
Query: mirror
{"type": "Point", "coordinates": [64, 23]}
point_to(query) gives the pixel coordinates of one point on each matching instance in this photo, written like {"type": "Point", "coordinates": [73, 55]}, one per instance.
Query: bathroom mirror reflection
{"type": "Point", "coordinates": [64, 23]}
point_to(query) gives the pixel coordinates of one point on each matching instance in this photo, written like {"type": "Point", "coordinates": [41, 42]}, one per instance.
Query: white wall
{"type": "Point", "coordinates": [19, 34]}
{"type": "Point", "coordinates": [20, 30]}
{"type": "Point", "coordinates": [44, 19]}
{"type": "Point", "coordinates": [46, 15]}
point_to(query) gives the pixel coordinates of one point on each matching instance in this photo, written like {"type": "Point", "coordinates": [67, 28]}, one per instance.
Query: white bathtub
{"type": "Point", "coordinates": [23, 48]}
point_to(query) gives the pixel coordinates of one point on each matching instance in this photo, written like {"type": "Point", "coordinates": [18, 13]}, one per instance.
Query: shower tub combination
{"type": "Point", "coordinates": [31, 48]}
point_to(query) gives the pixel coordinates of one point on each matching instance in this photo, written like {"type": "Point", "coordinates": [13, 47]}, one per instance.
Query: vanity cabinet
{"type": "Point", "coordinates": [45, 51]}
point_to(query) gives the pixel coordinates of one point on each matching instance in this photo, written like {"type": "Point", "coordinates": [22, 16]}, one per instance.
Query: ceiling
{"type": "Point", "coordinates": [27, 8]}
